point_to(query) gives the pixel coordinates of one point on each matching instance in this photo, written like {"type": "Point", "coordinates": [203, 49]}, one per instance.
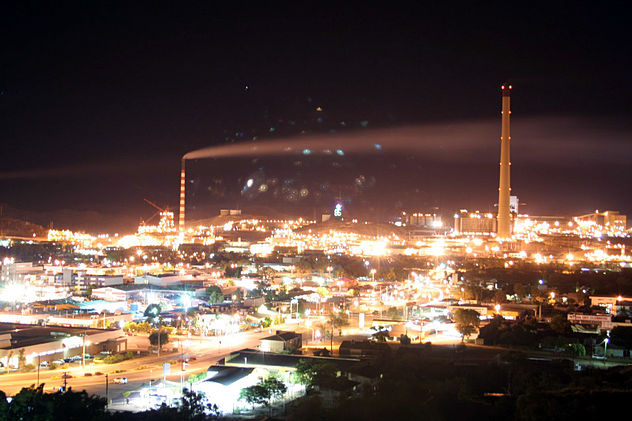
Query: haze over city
{"type": "Point", "coordinates": [105, 100]}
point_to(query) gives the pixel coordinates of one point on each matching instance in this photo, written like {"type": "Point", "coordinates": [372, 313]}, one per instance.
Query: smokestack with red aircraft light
{"type": "Point", "coordinates": [183, 179]}
{"type": "Point", "coordinates": [504, 183]}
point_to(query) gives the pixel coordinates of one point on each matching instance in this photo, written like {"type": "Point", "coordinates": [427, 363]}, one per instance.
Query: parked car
{"type": "Point", "coordinates": [120, 380]}
{"type": "Point", "coordinates": [44, 364]}
{"type": "Point", "coordinates": [59, 362]}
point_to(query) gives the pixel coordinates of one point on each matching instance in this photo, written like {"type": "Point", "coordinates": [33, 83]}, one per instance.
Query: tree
{"type": "Point", "coordinates": [21, 359]}
{"type": "Point", "coordinates": [404, 339]}
{"type": "Point", "coordinates": [263, 392]}
{"type": "Point", "coordinates": [33, 404]}
{"type": "Point", "coordinates": [622, 336]}
{"type": "Point", "coordinates": [338, 320]}
{"type": "Point", "coordinates": [214, 294]}
{"type": "Point", "coordinates": [394, 313]}
{"type": "Point", "coordinates": [159, 337]}
{"type": "Point", "coordinates": [560, 324]}
{"type": "Point", "coordinates": [500, 296]}
{"type": "Point", "coordinates": [472, 292]}
{"type": "Point", "coordinates": [303, 268]}
{"type": "Point", "coordinates": [255, 395]}
{"type": "Point", "coordinates": [152, 313]}
{"type": "Point", "coordinates": [192, 407]}
{"type": "Point", "coordinates": [275, 387]}
{"type": "Point", "coordinates": [578, 349]}
{"type": "Point", "coordinates": [314, 372]}
{"type": "Point", "coordinates": [467, 321]}
{"type": "Point", "coordinates": [238, 295]}
{"type": "Point", "coordinates": [520, 291]}
{"type": "Point", "coordinates": [265, 323]}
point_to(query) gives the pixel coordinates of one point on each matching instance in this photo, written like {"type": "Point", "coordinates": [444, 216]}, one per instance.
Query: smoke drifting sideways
{"type": "Point", "coordinates": [393, 140]}
{"type": "Point", "coordinates": [541, 141]}
{"type": "Point", "coordinates": [567, 142]}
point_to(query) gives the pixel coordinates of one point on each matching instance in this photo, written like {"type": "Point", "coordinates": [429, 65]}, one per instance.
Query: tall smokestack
{"type": "Point", "coordinates": [504, 186]}
{"type": "Point", "coordinates": [183, 180]}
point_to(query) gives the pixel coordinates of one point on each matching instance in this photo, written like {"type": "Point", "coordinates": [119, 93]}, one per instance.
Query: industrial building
{"type": "Point", "coordinates": [474, 223]}
{"type": "Point", "coordinates": [148, 294]}
{"type": "Point", "coordinates": [610, 220]}
{"type": "Point", "coordinates": [164, 279]}
{"type": "Point", "coordinates": [22, 344]}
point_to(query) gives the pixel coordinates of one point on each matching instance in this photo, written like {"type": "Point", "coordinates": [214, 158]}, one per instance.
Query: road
{"type": "Point", "coordinates": [206, 350]}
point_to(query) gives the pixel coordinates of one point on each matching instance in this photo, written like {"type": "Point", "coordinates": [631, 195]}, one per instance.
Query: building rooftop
{"type": "Point", "coordinates": [25, 335]}
{"type": "Point", "coordinates": [226, 375]}
{"type": "Point", "coordinates": [253, 357]}
{"type": "Point", "coordinates": [282, 336]}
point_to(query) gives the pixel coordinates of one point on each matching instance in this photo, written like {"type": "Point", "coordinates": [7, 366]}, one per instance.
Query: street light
{"type": "Point", "coordinates": [373, 274]}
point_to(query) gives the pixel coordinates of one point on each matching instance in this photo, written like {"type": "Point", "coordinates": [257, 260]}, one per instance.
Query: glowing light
{"type": "Point", "coordinates": [437, 224]}
{"type": "Point", "coordinates": [338, 210]}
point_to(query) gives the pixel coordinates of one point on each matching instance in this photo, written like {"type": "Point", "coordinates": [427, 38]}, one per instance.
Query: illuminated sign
{"type": "Point", "coordinates": [338, 210]}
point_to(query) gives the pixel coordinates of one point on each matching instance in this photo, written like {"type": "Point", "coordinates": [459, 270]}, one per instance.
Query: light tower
{"type": "Point", "coordinates": [504, 185]}
{"type": "Point", "coordinates": [182, 195]}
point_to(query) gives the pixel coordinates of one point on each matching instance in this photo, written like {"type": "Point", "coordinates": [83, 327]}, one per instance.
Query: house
{"type": "Point", "coordinates": [282, 341]}
{"type": "Point", "coordinates": [224, 385]}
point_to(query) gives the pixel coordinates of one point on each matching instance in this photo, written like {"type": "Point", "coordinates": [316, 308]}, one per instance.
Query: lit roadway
{"type": "Point", "coordinates": [206, 351]}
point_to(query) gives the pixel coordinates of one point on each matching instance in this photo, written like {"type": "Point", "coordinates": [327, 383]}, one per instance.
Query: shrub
{"type": "Point", "coordinates": [117, 358]}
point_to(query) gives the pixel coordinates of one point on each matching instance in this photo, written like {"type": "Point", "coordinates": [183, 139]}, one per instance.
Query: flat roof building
{"type": "Point", "coordinates": [47, 343]}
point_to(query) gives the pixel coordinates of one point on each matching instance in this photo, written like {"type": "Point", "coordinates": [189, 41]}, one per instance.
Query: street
{"type": "Point", "coordinates": [206, 351]}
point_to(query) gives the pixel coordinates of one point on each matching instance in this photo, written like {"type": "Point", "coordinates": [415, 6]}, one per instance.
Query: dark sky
{"type": "Point", "coordinates": [99, 100]}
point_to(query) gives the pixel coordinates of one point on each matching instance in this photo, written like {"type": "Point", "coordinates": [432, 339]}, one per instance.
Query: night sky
{"type": "Point", "coordinates": [99, 101]}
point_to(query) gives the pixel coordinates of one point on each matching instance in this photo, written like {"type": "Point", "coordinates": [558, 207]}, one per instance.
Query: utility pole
{"type": "Point", "coordinates": [39, 362]}
{"type": "Point", "coordinates": [107, 385]}
{"type": "Point", "coordinates": [65, 381]}
{"type": "Point", "coordinates": [331, 345]}
{"type": "Point", "coordinates": [83, 351]}
{"type": "Point", "coordinates": [182, 368]}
